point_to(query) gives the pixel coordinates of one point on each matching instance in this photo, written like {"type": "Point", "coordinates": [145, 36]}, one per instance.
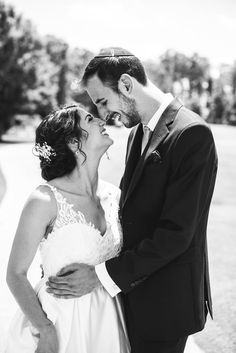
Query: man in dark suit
{"type": "Point", "coordinates": [167, 187]}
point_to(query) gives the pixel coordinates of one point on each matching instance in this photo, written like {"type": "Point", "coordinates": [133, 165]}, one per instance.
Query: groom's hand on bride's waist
{"type": "Point", "coordinates": [73, 281]}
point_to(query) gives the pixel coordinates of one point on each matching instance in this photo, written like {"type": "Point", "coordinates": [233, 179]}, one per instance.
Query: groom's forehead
{"type": "Point", "coordinates": [95, 84]}
{"type": "Point", "coordinates": [97, 90]}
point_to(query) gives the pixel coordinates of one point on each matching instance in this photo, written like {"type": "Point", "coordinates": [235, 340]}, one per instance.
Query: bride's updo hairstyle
{"type": "Point", "coordinates": [53, 134]}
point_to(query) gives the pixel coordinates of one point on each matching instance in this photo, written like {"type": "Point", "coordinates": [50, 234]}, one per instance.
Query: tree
{"type": "Point", "coordinates": [77, 61]}
{"type": "Point", "coordinates": [33, 70]}
{"type": "Point", "coordinates": [41, 96]}
{"type": "Point", "coordinates": [198, 72]}
{"type": "Point", "coordinates": [16, 41]}
{"type": "Point", "coordinates": [234, 78]}
{"type": "Point", "coordinates": [57, 51]}
{"type": "Point", "coordinates": [173, 67]}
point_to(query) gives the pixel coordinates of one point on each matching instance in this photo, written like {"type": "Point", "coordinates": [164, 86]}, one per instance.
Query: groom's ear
{"type": "Point", "coordinates": [125, 84]}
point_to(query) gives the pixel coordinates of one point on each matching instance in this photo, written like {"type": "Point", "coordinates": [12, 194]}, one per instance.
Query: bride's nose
{"type": "Point", "coordinates": [101, 122]}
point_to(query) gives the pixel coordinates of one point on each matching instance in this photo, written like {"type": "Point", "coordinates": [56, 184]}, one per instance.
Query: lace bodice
{"type": "Point", "coordinates": [73, 239]}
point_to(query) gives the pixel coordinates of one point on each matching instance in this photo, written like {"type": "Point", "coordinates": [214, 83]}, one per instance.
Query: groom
{"type": "Point", "coordinates": [167, 187]}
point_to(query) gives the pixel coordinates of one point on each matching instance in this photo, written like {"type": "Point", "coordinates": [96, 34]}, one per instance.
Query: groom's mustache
{"type": "Point", "coordinates": [112, 115]}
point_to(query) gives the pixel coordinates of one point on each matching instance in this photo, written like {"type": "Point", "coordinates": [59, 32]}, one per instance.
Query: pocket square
{"type": "Point", "coordinates": [155, 157]}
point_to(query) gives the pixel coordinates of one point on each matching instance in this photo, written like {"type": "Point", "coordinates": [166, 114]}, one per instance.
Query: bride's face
{"type": "Point", "coordinates": [97, 138]}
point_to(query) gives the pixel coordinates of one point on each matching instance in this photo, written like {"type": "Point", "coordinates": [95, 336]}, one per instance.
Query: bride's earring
{"type": "Point", "coordinates": [108, 157]}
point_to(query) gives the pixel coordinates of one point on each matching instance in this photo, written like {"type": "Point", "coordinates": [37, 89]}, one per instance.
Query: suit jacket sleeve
{"type": "Point", "coordinates": [194, 164]}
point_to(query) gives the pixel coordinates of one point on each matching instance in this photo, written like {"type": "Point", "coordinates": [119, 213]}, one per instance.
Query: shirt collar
{"type": "Point", "coordinates": [153, 121]}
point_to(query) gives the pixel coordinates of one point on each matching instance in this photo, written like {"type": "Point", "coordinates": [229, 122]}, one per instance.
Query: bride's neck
{"type": "Point", "coordinates": [84, 178]}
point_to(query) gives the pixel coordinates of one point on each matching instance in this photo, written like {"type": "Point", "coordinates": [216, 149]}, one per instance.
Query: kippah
{"type": "Point", "coordinates": [113, 52]}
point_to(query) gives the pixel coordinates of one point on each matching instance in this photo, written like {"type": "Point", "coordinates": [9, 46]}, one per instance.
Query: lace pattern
{"type": "Point", "coordinates": [96, 248]}
{"type": "Point", "coordinates": [66, 213]}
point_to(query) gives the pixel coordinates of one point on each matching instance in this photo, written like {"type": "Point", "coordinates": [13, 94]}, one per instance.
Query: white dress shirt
{"type": "Point", "coordinates": [153, 121]}
{"type": "Point", "coordinates": [100, 269]}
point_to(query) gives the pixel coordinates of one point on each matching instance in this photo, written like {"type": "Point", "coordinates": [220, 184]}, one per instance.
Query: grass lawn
{"type": "Point", "coordinates": [220, 334]}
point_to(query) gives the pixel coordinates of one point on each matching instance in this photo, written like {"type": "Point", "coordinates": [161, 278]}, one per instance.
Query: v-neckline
{"type": "Point", "coordinates": [81, 214]}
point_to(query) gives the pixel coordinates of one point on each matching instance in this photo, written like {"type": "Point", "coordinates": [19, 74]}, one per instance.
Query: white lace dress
{"type": "Point", "coordinates": [93, 323]}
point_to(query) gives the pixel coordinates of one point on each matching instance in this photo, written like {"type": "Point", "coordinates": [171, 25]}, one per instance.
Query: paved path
{"type": "Point", "coordinates": [21, 171]}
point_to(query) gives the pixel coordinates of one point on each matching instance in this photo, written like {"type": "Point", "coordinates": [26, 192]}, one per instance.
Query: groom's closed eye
{"type": "Point", "coordinates": [101, 102]}
{"type": "Point", "coordinates": [104, 103]}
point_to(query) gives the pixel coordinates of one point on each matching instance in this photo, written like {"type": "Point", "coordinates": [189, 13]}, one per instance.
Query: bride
{"type": "Point", "coordinates": [72, 217]}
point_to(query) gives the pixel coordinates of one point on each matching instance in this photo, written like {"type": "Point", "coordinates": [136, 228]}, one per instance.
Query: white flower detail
{"type": "Point", "coordinates": [45, 151]}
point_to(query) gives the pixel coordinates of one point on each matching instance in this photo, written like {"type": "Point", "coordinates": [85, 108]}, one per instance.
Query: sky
{"type": "Point", "coordinates": [146, 27]}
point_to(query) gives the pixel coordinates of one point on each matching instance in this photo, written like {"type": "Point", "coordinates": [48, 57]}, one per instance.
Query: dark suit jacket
{"type": "Point", "coordinates": [166, 194]}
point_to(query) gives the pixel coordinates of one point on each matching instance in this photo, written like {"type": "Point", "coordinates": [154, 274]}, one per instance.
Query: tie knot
{"type": "Point", "coordinates": [146, 130]}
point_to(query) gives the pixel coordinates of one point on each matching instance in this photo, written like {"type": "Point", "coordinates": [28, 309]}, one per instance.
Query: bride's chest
{"type": "Point", "coordinates": [93, 212]}
{"type": "Point", "coordinates": [79, 242]}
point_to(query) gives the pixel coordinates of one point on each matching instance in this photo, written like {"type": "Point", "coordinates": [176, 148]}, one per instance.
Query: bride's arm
{"type": "Point", "coordinates": [38, 212]}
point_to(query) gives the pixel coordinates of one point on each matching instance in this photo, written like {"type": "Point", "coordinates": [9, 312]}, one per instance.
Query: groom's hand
{"type": "Point", "coordinates": [73, 281]}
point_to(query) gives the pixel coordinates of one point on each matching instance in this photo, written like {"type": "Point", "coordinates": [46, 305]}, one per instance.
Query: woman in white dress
{"type": "Point", "coordinates": [73, 217]}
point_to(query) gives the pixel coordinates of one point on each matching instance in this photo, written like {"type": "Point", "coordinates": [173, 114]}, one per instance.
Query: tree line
{"type": "Point", "coordinates": [39, 73]}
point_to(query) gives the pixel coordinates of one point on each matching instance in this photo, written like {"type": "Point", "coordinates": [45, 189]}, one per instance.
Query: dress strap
{"type": "Point", "coordinates": [58, 196]}
{"type": "Point", "coordinates": [66, 212]}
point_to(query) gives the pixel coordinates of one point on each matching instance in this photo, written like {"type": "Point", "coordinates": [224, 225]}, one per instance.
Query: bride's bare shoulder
{"type": "Point", "coordinates": [41, 201]}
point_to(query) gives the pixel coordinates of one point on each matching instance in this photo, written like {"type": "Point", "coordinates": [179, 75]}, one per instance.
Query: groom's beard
{"type": "Point", "coordinates": [130, 115]}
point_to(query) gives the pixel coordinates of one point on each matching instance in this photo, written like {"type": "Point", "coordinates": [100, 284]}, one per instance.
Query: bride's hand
{"type": "Point", "coordinates": [48, 340]}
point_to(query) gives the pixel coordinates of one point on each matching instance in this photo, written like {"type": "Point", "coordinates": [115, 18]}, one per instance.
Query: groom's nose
{"type": "Point", "coordinates": [100, 121]}
{"type": "Point", "coordinates": [102, 112]}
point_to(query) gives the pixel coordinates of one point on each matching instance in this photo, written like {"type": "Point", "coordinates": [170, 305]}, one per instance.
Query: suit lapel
{"type": "Point", "coordinates": [134, 143]}
{"type": "Point", "coordinates": [133, 156]}
{"type": "Point", "coordinates": [159, 134]}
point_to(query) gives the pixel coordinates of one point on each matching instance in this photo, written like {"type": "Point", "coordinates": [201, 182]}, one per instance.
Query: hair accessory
{"type": "Point", "coordinates": [44, 151]}
{"type": "Point", "coordinates": [113, 52]}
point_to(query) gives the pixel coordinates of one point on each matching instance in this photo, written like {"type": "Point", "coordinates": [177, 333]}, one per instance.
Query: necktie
{"type": "Point", "coordinates": [146, 136]}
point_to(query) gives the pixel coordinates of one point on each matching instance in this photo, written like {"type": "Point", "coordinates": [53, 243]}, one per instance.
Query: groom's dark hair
{"type": "Point", "coordinates": [110, 64]}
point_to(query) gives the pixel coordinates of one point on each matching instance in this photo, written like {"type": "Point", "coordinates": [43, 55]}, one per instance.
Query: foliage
{"type": "Point", "coordinates": [234, 78]}
{"type": "Point", "coordinates": [56, 49]}
{"type": "Point", "coordinates": [16, 43]}
{"type": "Point", "coordinates": [173, 67]}
{"type": "Point", "coordinates": [32, 70]}
{"type": "Point", "coordinates": [77, 61]}
{"type": "Point", "coordinates": [38, 74]}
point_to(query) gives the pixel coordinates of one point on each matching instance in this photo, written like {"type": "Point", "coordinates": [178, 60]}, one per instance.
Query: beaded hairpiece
{"type": "Point", "coordinates": [45, 151]}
